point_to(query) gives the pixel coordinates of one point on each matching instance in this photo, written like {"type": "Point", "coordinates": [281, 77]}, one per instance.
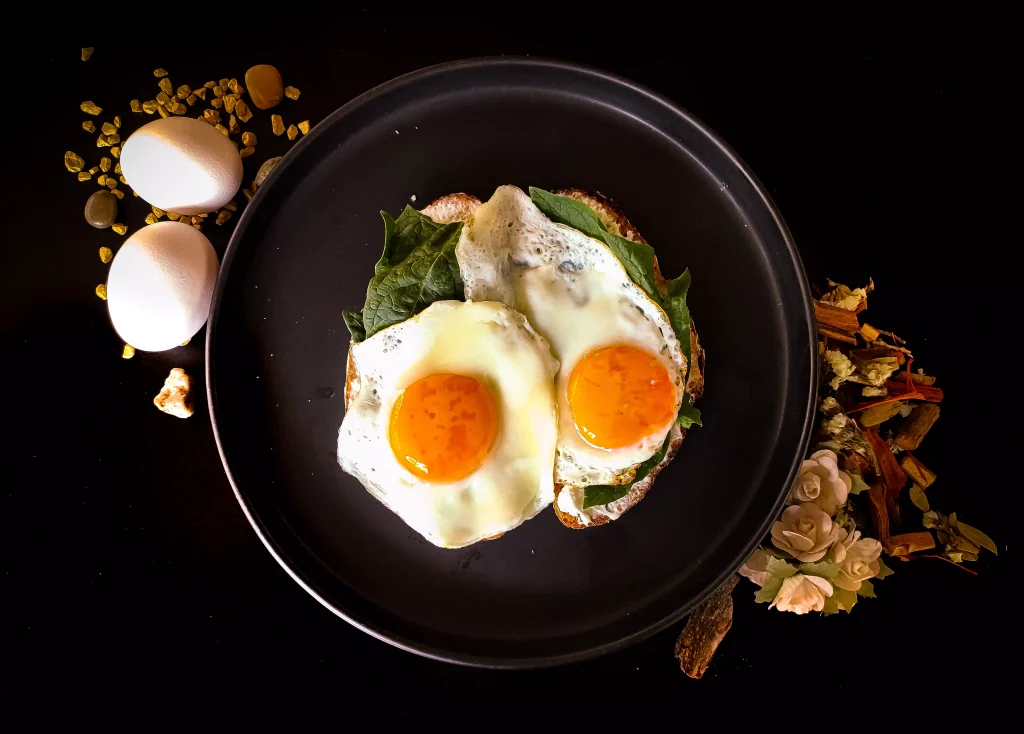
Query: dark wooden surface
{"type": "Point", "coordinates": [122, 541]}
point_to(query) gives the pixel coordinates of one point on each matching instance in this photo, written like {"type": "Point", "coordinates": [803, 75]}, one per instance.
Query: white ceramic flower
{"type": "Point", "coordinates": [857, 558]}
{"type": "Point", "coordinates": [822, 482]}
{"type": "Point", "coordinates": [805, 532]}
{"type": "Point", "coordinates": [801, 594]}
{"type": "Point", "coordinates": [755, 568]}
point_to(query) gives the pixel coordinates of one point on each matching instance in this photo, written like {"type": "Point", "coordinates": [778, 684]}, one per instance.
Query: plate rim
{"type": "Point", "coordinates": [427, 650]}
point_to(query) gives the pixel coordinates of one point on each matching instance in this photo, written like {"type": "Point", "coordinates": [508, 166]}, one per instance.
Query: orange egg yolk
{"type": "Point", "coordinates": [443, 426]}
{"type": "Point", "coordinates": [619, 395]}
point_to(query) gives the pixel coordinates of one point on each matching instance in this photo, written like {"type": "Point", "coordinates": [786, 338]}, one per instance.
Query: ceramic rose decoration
{"type": "Point", "coordinates": [801, 594]}
{"type": "Point", "coordinates": [805, 532]}
{"type": "Point", "coordinates": [822, 482]}
{"type": "Point", "coordinates": [857, 558]}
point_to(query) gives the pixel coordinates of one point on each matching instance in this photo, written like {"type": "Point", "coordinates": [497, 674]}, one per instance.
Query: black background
{"type": "Point", "coordinates": [122, 541]}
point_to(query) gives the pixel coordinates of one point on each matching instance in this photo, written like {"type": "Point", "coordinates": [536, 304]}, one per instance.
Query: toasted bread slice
{"type": "Point", "coordinates": [458, 208]}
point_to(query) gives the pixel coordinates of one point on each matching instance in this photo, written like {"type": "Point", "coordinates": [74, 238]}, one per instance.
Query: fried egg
{"type": "Point", "coordinates": [451, 421]}
{"type": "Point", "coordinates": [620, 382]}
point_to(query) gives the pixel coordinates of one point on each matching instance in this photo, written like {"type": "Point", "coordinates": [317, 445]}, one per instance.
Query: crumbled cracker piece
{"type": "Point", "coordinates": [304, 126]}
{"type": "Point", "coordinates": [136, 105]}
{"type": "Point", "coordinates": [291, 92]}
{"type": "Point", "coordinates": [87, 53]}
{"type": "Point", "coordinates": [84, 175]}
{"type": "Point", "coordinates": [277, 124]}
{"type": "Point", "coordinates": [116, 151]}
{"type": "Point", "coordinates": [166, 86]}
{"type": "Point", "coordinates": [105, 164]}
{"type": "Point", "coordinates": [119, 194]}
{"type": "Point", "coordinates": [158, 73]}
{"type": "Point", "coordinates": [222, 216]}
{"type": "Point", "coordinates": [175, 397]}
{"type": "Point", "coordinates": [89, 126]}
{"type": "Point", "coordinates": [217, 102]}
{"type": "Point", "coordinates": [246, 152]}
{"type": "Point", "coordinates": [249, 139]}
{"type": "Point", "coordinates": [242, 110]}
{"type": "Point", "coordinates": [106, 255]}
{"type": "Point", "coordinates": [184, 91]}
{"type": "Point", "coordinates": [128, 352]}
{"type": "Point", "coordinates": [73, 162]}
{"type": "Point", "coordinates": [91, 108]}
{"type": "Point", "coordinates": [293, 132]}
{"type": "Point", "coordinates": [119, 228]}
{"type": "Point", "coordinates": [101, 291]}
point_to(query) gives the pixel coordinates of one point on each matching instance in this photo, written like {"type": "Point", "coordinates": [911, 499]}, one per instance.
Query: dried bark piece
{"type": "Point", "coordinates": [704, 630]}
{"type": "Point", "coordinates": [916, 426]}
{"type": "Point", "coordinates": [879, 514]}
{"type": "Point", "coordinates": [892, 475]}
{"type": "Point", "coordinates": [837, 320]}
{"type": "Point", "coordinates": [922, 475]}
{"type": "Point", "coordinates": [907, 543]}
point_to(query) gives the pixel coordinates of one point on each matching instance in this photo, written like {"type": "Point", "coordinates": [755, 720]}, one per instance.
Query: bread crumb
{"type": "Point", "coordinates": [176, 396]}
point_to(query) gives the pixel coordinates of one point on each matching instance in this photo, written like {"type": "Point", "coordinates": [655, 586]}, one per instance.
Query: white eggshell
{"type": "Point", "coordinates": [182, 165]}
{"type": "Point", "coordinates": [160, 285]}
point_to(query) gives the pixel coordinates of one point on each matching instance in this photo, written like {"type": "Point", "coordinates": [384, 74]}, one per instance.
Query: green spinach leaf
{"type": "Point", "coordinates": [354, 322]}
{"type": "Point", "coordinates": [602, 494]}
{"type": "Point", "coordinates": [417, 267]}
{"type": "Point", "coordinates": [689, 416]}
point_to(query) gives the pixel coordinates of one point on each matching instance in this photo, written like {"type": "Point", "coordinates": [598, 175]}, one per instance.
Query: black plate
{"type": "Point", "coordinates": [304, 250]}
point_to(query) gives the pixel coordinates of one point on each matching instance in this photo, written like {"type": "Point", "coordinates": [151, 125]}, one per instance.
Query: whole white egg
{"type": "Point", "coordinates": [182, 165]}
{"type": "Point", "coordinates": [160, 285]}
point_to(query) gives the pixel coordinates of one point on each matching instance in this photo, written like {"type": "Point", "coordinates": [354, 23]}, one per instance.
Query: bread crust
{"type": "Point", "coordinates": [458, 208]}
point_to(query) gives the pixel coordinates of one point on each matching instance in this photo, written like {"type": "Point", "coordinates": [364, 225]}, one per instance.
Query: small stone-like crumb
{"type": "Point", "coordinates": [201, 93]}
{"type": "Point", "coordinates": [87, 53]}
{"type": "Point", "coordinates": [116, 151]}
{"type": "Point", "coordinates": [176, 396]}
{"type": "Point", "coordinates": [210, 85]}
{"type": "Point", "coordinates": [184, 91]}
{"type": "Point", "coordinates": [158, 73]}
{"type": "Point", "coordinates": [243, 111]}
{"type": "Point", "coordinates": [73, 162]}
{"type": "Point", "coordinates": [229, 102]}
{"type": "Point", "coordinates": [94, 170]}
{"type": "Point", "coordinates": [166, 86]}
{"type": "Point", "coordinates": [91, 108]}
{"type": "Point", "coordinates": [222, 216]}
{"type": "Point", "coordinates": [106, 255]}
{"type": "Point", "coordinates": [105, 164]}
{"type": "Point", "coordinates": [179, 108]}
{"type": "Point", "coordinates": [185, 343]}
{"type": "Point", "coordinates": [304, 126]}
{"type": "Point", "coordinates": [198, 227]}
{"type": "Point", "coordinates": [108, 128]}
{"type": "Point", "coordinates": [102, 180]}
{"type": "Point", "coordinates": [224, 82]}
{"type": "Point", "coordinates": [277, 124]}
{"type": "Point", "coordinates": [149, 106]}
{"type": "Point", "coordinates": [218, 91]}
{"type": "Point", "coordinates": [231, 206]}
{"type": "Point", "coordinates": [128, 352]}
{"type": "Point", "coordinates": [102, 142]}
{"type": "Point", "coordinates": [113, 139]}
{"type": "Point", "coordinates": [117, 169]}
{"type": "Point", "coordinates": [84, 175]}
{"type": "Point", "coordinates": [246, 152]}
{"type": "Point", "coordinates": [173, 216]}
{"type": "Point", "coordinates": [117, 121]}
{"type": "Point", "coordinates": [151, 218]}
{"type": "Point", "coordinates": [291, 92]}
{"type": "Point", "coordinates": [191, 99]}
{"type": "Point", "coordinates": [119, 194]}
{"type": "Point", "coordinates": [136, 105]}
{"type": "Point", "coordinates": [233, 125]}
{"type": "Point", "coordinates": [233, 86]}
{"type": "Point", "coordinates": [217, 102]}
{"type": "Point", "coordinates": [123, 180]}
{"type": "Point", "coordinates": [248, 194]}
{"type": "Point", "coordinates": [293, 132]}
{"type": "Point", "coordinates": [222, 129]}
{"type": "Point", "coordinates": [163, 112]}
{"type": "Point", "coordinates": [89, 126]}
{"type": "Point", "coordinates": [163, 98]}
{"type": "Point", "coordinates": [157, 211]}
{"type": "Point", "coordinates": [211, 116]}
{"type": "Point", "coordinates": [249, 139]}
{"type": "Point", "coordinates": [111, 183]}
{"type": "Point", "coordinates": [101, 291]}
{"type": "Point", "coordinates": [119, 228]}
{"type": "Point", "coordinates": [266, 89]}
{"type": "Point", "coordinates": [197, 219]}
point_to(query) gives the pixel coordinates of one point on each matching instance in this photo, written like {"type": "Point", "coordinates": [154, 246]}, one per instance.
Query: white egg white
{"type": "Point", "coordinates": [578, 296]}
{"type": "Point", "coordinates": [496, 346]}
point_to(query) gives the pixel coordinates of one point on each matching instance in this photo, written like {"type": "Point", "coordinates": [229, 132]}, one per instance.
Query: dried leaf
{"type": "Point", "coordinates": [866, 590]}
{"type": "Point", "coordinates": [907, 543]}
{"type": "Point", "coordinates": [883, 570]}
{"type": "Point", "coordinates": [917, 496]}
{"type": "Point", "coordinates": [977, 537]}
{"type": "Point", "coordinates": [704, 630]}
